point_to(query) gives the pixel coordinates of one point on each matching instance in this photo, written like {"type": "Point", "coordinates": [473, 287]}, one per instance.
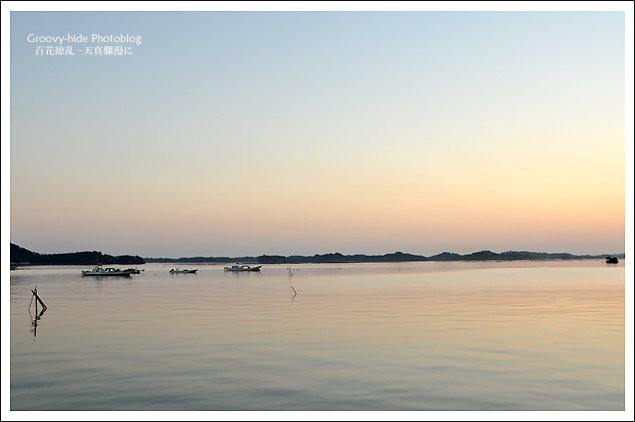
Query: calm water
{"type": "Point", "coordinates": [412, 336]}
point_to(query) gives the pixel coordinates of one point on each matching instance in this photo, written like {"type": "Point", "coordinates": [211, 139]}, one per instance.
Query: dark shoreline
{"type": "Point", "coordinates": [26, 257]}
{"type": "Point", "coordinates": [22, 256]}
{"type": "Point", "coordinates": [337, 258]}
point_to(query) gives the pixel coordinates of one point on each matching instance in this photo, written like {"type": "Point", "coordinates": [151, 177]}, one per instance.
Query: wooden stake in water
{"type": "Point", "coordinates": [38, 300]}
{"type": "Point", "coordinates": [37, 316]}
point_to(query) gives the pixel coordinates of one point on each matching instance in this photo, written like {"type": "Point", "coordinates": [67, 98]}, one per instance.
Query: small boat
{"type": "Point", "coordinates": [611, 260]}
{"type": "Point", "coordinates": [134, 270]}
{"type": "Point", "coordinates": [98, 271]}
{"type": "Point", "coordinates": [242, 268]}
{"type": "Point", "coordinates": [177, 271]}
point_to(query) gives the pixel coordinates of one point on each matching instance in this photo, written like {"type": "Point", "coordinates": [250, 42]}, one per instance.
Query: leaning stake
{"type": "Point", "coordinates": [38, 299]}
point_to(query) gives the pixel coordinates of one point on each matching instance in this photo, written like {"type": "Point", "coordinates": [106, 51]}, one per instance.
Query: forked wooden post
{"type": "Point", "coordinates": [39, 300]}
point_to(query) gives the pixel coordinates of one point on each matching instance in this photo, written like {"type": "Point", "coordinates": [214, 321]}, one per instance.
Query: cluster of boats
{"type": "Point", "coordinates": [100, 272]}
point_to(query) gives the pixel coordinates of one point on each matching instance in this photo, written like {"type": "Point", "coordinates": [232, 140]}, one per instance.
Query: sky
{"type": "Point", "coordinates": [250, 133]}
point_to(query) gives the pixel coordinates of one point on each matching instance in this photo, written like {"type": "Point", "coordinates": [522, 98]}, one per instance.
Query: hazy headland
{"type": "Point", "coordinates": [23, 255]}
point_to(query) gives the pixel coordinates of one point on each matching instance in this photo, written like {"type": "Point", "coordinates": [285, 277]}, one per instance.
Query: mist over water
{"type": "Point", "coordinates": [406, 336]}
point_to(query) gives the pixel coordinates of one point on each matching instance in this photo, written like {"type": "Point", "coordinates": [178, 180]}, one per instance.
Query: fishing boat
{"type": "Point", "coordinates": [177, 271]}
{"type": "Point", "coordinates": [242, 268]}
{"type": "Point", "coordinates": [98, 271]}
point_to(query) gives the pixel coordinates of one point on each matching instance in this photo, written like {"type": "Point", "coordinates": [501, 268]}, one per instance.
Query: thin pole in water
{"type": "Point", "coordinates": [38, 300]}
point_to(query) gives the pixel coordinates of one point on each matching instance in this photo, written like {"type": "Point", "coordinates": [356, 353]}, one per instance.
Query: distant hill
{"type": "Point", "coordinates": [393, 257]}
{"type": "Point", "coordinates": [22, 255]}
{"type": "Point", "coordinates": [513, 256]}
{"type": "Point", "coordinates": [207, 259]}
{"type": "Point", "coordinates": [299, 259]}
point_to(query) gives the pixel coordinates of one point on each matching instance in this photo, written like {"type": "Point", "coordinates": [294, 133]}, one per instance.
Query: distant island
{"type": "Point", "coordinates": [393, 257]}
{"type": "Point", "coordinates": [24, 256]}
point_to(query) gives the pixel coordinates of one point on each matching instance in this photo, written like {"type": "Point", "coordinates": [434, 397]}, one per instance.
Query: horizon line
{"type": "Point", "coordinates": [387, 254]}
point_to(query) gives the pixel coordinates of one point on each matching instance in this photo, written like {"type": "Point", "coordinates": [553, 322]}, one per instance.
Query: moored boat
{"type": "Point", "coordinates": [98, 271]}
{"type": "Point", "coordinates": [177, 271]}
{"type": "Point", "coordinates": [242, 268]}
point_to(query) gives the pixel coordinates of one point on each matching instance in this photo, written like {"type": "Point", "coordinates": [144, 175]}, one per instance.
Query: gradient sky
{"type": "Point", "coordinates": [249, 133]}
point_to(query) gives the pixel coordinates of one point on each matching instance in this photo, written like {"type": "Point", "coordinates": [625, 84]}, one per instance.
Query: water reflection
{"type": "Point", "coordinates": [290, 276]}
{"type": "Point", "coordinates": [361, 337]}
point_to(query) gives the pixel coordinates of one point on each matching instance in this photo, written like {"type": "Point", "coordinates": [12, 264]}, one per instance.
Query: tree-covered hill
{"type": "Point", "coordinates": [22, 255]}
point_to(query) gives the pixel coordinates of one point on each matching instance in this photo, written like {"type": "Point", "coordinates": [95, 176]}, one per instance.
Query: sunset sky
{"type": "Point", "coordinates": [249, 133]}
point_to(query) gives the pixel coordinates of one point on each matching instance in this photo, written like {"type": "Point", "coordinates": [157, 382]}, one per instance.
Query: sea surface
{"type": "Point", "coordinates": [544, 335]}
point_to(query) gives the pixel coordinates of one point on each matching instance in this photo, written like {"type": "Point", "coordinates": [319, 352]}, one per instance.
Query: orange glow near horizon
{"type": "Point", "coordinates": [357, 145]}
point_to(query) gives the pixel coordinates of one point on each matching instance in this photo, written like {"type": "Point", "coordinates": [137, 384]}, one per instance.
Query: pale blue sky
{"type": "Point", "coordinates": [243, 133]}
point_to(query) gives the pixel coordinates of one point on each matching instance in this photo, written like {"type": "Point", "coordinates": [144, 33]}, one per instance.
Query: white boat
{"type": "Point", "coordinates": [242, 268]}
{"type": "Point", "coordinates": [98, 271]}
{"type": "Point", "coordinates": [177, 271]}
